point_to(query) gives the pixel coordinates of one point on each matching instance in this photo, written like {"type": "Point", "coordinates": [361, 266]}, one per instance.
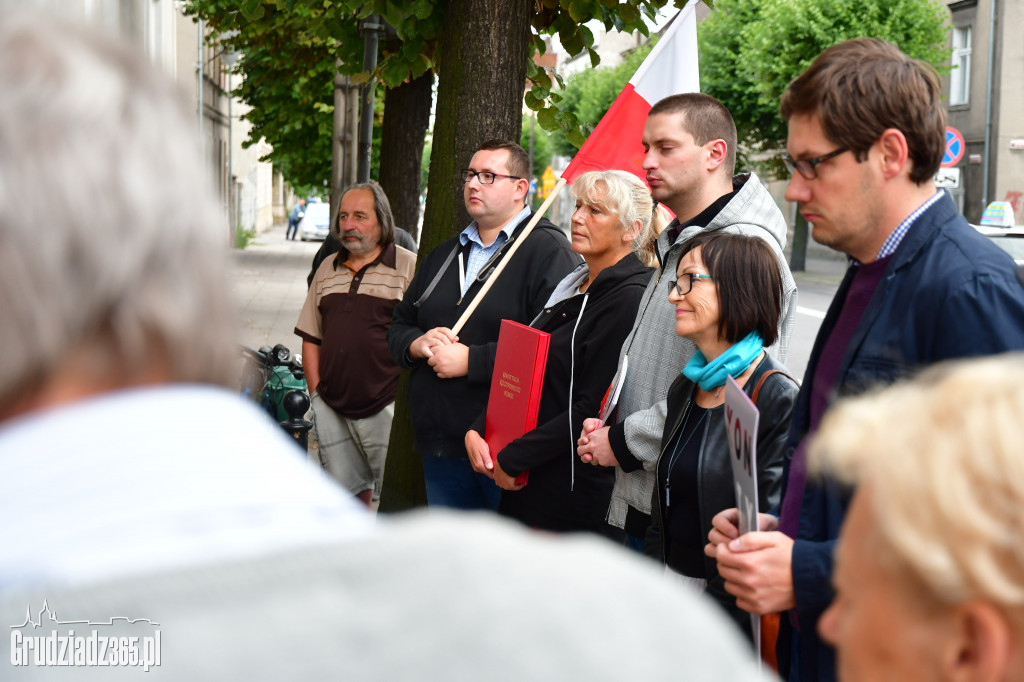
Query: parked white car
{"type": "Point", "coordinates": [1009, 239]}
{"type": "Point", "coordinates": [316, 223]}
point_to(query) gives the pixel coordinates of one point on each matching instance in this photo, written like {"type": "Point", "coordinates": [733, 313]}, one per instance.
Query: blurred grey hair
{"type": "Point", "coordinates": [112, 249]}
{"type": "Point", "coordinates": [626, 196]}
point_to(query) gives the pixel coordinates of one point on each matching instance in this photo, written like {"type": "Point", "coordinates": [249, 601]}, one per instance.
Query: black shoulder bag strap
{"type": "Point", "coordinates": [438, 276]}
{"type": "Point", "coordinates": [485, 271]}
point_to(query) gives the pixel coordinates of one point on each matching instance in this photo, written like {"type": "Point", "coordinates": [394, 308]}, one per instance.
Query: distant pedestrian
{"type": "Point", "coordinates": [344, 324]}
{"type": "Point", "coordinates": [294, 217]}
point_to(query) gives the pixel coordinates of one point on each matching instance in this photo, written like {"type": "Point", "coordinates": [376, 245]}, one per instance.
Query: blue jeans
{"type": "Point", "coordinates": [451, 482]}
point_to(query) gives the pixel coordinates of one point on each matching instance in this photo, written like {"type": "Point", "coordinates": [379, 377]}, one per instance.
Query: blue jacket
{"type": "Point", "coordinates": [947, 292]}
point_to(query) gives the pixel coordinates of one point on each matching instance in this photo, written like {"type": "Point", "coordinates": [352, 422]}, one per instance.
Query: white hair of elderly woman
{"type": "Point", "coordinates": [940, 456]}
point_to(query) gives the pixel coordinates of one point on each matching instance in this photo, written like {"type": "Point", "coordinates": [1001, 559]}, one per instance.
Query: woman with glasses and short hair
{"type": "Point", "coordinates": [728, 298]}
{"type": "Point", "coordinates": [588, 316]}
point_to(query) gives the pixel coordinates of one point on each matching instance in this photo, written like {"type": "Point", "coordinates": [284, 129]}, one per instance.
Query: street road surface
{"type": "Point", "coordinates": [815, 288]}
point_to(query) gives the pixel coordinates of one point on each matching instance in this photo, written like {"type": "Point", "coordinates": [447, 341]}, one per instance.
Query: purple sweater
{"type": "Point", "coordinates": [862, 288]}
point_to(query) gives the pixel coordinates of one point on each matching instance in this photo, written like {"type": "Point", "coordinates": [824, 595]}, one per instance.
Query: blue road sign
{"type": "Point", "coordinates": [954, 148]}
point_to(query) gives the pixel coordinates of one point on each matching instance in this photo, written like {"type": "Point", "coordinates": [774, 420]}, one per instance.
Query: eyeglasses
{"type": "Point", "coordinates": [809, 167]}
{"type": "Point", "coordinates": [684, 284]}
{"type": "Point", "coordinates": [485, 177]}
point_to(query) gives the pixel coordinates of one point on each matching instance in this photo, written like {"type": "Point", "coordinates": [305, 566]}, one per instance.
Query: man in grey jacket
{"type": "Point", "coordinates": [691, 153]}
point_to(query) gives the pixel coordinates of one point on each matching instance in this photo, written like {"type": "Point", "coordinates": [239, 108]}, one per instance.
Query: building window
{"type": "Point", "coordinates": [960, 76]}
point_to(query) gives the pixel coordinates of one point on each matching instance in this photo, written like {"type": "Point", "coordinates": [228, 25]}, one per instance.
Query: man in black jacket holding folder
{"type": "Point", "coordinates": [451, 374]}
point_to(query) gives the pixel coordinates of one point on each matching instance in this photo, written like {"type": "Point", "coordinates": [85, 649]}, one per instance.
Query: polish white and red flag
{"type": "Point", "coordinates": [670, 69]}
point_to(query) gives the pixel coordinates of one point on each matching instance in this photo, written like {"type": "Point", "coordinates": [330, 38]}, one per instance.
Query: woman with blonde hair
{"type": "Point", "coordinates": [588, 316]}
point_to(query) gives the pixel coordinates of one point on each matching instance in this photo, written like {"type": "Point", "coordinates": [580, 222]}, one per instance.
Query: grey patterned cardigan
{"type": "Point", "coordinates": [657, 354]}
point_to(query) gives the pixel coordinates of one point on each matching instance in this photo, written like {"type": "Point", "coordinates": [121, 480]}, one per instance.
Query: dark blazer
{"type": "Point", "coordinates": [947, 292]}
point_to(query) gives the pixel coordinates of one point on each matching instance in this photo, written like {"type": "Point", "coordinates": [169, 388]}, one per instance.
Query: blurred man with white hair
{"type": "Point", "coordinates": [120, 448]}
{"type": "Point", "coordinates": [929, 572]}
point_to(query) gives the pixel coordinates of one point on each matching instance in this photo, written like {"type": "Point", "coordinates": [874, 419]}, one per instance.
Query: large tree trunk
{"type": "Point", "coordinates": [482, 64]}
{"type": "Point", "coordinates": [482, 75]}
{"type": "Point", "coordinates": [406, 116]}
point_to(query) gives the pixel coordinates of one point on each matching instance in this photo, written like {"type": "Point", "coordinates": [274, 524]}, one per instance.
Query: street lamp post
{"type": "Point", "coordinates": [371, 28]}
{"type": "Point", "coordinates": [230, 58]}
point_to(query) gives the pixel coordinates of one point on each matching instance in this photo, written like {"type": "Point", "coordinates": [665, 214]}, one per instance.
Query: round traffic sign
{"type": "Point", "coordinates": [954, 147]}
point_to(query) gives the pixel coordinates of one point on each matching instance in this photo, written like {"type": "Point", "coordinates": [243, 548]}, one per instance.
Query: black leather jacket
{"type": "Point", "coordinates": [775, 402]}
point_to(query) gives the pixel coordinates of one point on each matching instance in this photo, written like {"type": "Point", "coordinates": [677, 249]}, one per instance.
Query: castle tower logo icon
{"type": "Point", "coordinates": [62, 647]}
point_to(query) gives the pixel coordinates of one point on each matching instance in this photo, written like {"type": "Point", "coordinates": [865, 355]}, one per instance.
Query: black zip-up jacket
{"type": "Point", "coordinates": [564, 494]}
{"type": "Point", "coordinates": [443, 409]}
{"type": "Point", "coordinates": [775, 402]}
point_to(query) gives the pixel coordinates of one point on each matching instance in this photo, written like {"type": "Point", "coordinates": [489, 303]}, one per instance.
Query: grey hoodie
{"type": "Point", "coordinates": [657, 354]}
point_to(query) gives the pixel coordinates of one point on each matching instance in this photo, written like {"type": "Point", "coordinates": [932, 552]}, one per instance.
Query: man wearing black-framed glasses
{"type": "Point", "coordinates": [451, 375]}
{"type": "Point", "coordinates": [485, 177]}
{"type": "Point", "coordinates": [866, 137]}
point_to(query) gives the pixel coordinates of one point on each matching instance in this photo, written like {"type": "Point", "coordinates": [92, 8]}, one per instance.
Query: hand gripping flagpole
{"type": "Point", "coordinates": [508, 256]}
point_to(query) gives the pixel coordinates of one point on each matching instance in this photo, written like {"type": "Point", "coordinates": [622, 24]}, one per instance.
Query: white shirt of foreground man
{"type": "Point", "coordinates": [154, 479]}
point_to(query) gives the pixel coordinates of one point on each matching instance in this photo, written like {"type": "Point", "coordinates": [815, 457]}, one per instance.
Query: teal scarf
{"type": "Point", "coordinates": [732, 362]}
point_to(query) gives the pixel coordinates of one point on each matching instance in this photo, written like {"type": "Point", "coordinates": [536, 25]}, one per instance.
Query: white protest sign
{"type": "Point", "coordinates": [741, 417]}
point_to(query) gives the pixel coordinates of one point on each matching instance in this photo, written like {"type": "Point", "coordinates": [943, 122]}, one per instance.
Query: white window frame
{"type": "Point", "coordinates": [960, 75]}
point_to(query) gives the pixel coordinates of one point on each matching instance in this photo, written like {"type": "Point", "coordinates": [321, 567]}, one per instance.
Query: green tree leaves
{"type": "Point", "coordinates": [585, 99]}
{"type": "Point", "coordinates": [567, 19]}
{"type": "Point", "coordinates": [292, 50]}
{"type": "Point", "coordinates": [751, 49]}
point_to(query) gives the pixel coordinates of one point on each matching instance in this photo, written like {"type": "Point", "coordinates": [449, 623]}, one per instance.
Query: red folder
{"type": "Point", "coordinates": [515, 386]}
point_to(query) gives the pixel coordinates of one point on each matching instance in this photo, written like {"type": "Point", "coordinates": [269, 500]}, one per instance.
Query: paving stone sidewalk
{"type": "Point", "coordinates": [268, 281]}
